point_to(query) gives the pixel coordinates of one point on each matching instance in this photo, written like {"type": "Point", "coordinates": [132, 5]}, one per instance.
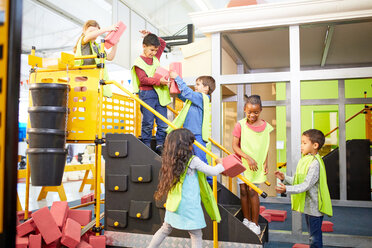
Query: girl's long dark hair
{"type": "Point", "coordinates": [177, 152]}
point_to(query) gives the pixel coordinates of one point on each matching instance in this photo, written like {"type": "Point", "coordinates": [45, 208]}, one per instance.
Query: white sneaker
{"type": "Point", "coordinates": [247, 223]}
{"type": "Point", "coordinates": [255, 228]}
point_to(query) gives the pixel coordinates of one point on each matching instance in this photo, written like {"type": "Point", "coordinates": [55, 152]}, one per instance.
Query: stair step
{"type": "Point", "coordinates": [233, 209]}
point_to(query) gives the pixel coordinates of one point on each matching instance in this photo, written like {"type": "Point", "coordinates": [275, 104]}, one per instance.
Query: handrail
{"type": "Point", "coordinates": [245, 180]}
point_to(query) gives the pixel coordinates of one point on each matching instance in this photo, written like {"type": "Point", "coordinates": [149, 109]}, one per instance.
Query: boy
{"type": "Point", "coordinates": [152, 91]}
{"type": "Point", "coordinates": [310, 193]}
{"type": "Point", "coordinates": [196, 113]}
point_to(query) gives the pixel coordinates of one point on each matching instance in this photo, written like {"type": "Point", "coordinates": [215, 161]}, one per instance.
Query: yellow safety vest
{"type": "Point", "coordinates": [107, 91]}
{"type": "Point", "coordinates": [255, 145]}
{"type": "Point", "coordinates": [324, 199]}
{"type": "Point", "coordinates": [207, 117]}
{"type": "Point", "coordinates": [162, 90]}
{"type": "Point", "coordinates": [206, 194]}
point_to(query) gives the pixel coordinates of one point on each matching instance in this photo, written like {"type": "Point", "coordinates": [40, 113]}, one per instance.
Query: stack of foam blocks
{"type": "Point", "coordinates": [57, 227]}
{"type": "Point", "coordinates": [273, 215]}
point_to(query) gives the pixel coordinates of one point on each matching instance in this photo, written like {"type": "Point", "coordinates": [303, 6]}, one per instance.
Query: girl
{"type": "Point", "coordinates": [251, 138]}
{"type": "Point", "coordinates": [183, 180]}
{"type": "Point", "coordinates": [86, 45]}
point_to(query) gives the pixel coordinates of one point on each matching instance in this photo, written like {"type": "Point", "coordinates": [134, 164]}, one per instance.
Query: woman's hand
{"type": "Point", "coordinates": [279, 175]}
{"type": "Point", "coordinates": [281, 188]}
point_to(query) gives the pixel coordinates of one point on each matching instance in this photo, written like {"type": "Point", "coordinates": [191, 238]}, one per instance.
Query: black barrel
{"type": "Point", "coordinates": [46, 138]}
{"type": "Point", "coordinates": [47, 165]}
{"type": "Point", "coordinates": [49, 94]}
{"type": "Point", "coordinates": [48, 117]}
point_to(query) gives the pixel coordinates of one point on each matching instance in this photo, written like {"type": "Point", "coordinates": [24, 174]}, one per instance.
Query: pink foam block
{"type": "Point", "coordinates": [91, 196]}
{"type": "Point", "coordinates": [25, 228]}
{"type": "Point", "coordinates": [55, 244]}
{"type": "Point", "coordinates": [114, 36]}
{"type": "Point", "coordinates": [267, 216]}
{"type": "Point", "coordinates": [17, 221]}
{"type": "Point", "coordinates": [83, 217]}
{"type": "Point", "coordinates": [173, 88]}
{"type": "Point", "coordinates": [21, 242]}
{"type": "Point", "coordinates": [161, 72]}
{"type": "Point", "coordinates": [327, 226]}
{"type": "Point", "coordinates": [46, 224]}
{"type": "Point", "coordinates": [97, 241]}
{"type": "Point", "coordinates": [276, 215]}
{"type": "Point", "coordinates": [84, 244]}
{"type": "Point", "coordinates": [85, 199]}
{"type": "Point", "coordinates": [300, 246]}
{"type": "Point", "coordinates": [21, 214]}
{"type": "Point", "coordinates": [35, 241]}
{"type": "Point", "coordinates": [59, 211]}
{"type": "Point", "coordinates": [233, 165]}
{"type": "Point", "coordinates": [262, 208]}
{"type": "Point", "coordinates": [71, 233]}
{"type": "Point", "coordinates": [177, 67]}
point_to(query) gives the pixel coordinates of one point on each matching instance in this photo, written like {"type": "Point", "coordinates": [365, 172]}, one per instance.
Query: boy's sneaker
{"type": "Point", "coordinates": [255, 228]}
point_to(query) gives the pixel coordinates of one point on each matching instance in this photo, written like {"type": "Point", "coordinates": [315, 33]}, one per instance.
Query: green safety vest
{"type": "Point", "coordinates": [207, 117]}
{"type": "Point", "coordinates": [206, 194]}
{"type": "Point", "coordinates": [107, 91]}
{"type": "Point", "coordinates": [324, 199]}
{"type": "Point", "coordinates": [255, 145]}
{"type": "Point", "coordinates": [162, 90]}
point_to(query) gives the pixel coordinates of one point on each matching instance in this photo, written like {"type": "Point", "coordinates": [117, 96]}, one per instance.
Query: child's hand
{"type": "Point", "coordinates": [144, 33]}
{"type": "Point", "coordinates": [173, 74]}
{"type": "Point", "coordinates": [281, 188]}
{"type": "Point", "coordinates": [163, 81]}
{"type": "Point", "coordinates": [218, 161]}
{"type": "Point", "coordinates": [252, 164]}
{"type": "Point", "coordinates": [279, 175]}
{"type": "Point", "coordinates": [114, 27]}
{"type": "Point", "coordinates": [266, 170]}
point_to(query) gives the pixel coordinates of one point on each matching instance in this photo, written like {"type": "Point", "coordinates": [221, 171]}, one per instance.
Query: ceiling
{"type": "Point", "coordinates": [321, 45]}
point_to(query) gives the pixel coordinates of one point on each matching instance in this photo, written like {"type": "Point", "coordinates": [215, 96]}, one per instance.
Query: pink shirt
{"type": "Point", "coordinates": [237, 132]}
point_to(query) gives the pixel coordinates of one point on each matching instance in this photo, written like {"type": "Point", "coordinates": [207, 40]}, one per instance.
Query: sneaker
{"type": "Point", "coordinates": [255, 228]}
{"type": "Point", "coordinates": [159, 149]}
{"type": "Point", "coordinates": [247, 223]}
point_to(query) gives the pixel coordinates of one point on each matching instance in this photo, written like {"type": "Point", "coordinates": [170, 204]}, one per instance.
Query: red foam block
{"type": "Point", "coordinates": [161, 72]}
{"type": "Point", "coordinates": [84, 244]}
{"type": "Point", "coordinates": [114, 36]}
{"type": "Point", "coordinates": [97, 241]}
{"type": "Point", "coordinates": [262, 208]}
{"type": "Point", "coordinates": [71, 233]}
{"type": "Point", "coordinates": [55, 244]}
{"type": "Point", "coordinates": [35, 241]}
{"type": "Point", "coordinates": [46, 224]}
{"type": "Point", "coordinates": [276, 215]}
{"type": "Point", "coordinates": [300, 246]}
{"type": "Point", "coordinates": [233, 165]}
{"type": "Point", "coordinates": [173, 88]}
{"type": "Point", "coordinates": [83, 217]}
{"type": "Point", "coordinates": [327, 226]}
{"type": "Point", "coordinates": [21, 242]}
{"type": "Point", "coordinates": [25, 228]}
{"type": "Point", "coordinates": [177, 67]}
{"type": "Point", "coordinates": [267, 216]}
{"type": "Point", "coordinates": [59, 211]}
{"type": "Point", "coordinates": [85, 199]}
{"type": "Point", "coordinates": [21, 214]}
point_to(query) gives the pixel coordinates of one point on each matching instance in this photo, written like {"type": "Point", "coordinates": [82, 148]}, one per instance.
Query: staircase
{"type": "Point", "coordinates": [132, 216]}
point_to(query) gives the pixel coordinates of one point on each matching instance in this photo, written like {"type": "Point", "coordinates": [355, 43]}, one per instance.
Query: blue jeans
{"type": "Point", "coordinates": [198, 152]}
{"type": "Point", "coordinates": [151, 98]}
{"type": "Point", "coordinates": [314, 225]}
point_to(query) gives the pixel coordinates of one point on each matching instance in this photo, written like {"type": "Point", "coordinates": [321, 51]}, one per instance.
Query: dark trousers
{"type": "Point", "coordinates": [314, 225]}
{"type": "Point", "coordinates": [151, 98]}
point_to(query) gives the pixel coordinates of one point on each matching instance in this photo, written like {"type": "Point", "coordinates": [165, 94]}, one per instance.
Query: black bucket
{"type": "Point", "coordinates": [46, 138]}
{"type": "Point", "coordinates": [48, 117]}
{"type": "Point", "coordinates": [47, 165]}
{"type": "Point", "coordinates": [48, 94]}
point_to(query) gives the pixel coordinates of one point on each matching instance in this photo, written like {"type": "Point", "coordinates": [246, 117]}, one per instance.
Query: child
{"type": "Point", "coordinates": [196, 113]}
{"type": "Point", "coordinates": [310, 193]}
{"type": "Point", "coordinates": [86, 45]}
{"type": "Point", "coordinates": [251, 138]}
{"type": "Point", "coordinates": [185, 187]}
{"type": "Point", "coordinates": [152, 91]}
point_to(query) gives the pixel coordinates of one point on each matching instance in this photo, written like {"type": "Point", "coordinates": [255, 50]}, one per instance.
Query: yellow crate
{"type": "Point", "coordinates": [118, 112]}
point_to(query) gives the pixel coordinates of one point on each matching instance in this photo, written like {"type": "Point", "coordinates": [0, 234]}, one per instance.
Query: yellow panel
{"type": "Point", "coordinates": [3, 77]}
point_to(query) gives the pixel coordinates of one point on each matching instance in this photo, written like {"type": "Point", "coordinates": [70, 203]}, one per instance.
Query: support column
{"type": "Point", "coordinates": [217, 94]}
{"type": "Point", "coordinates": [240, 94]}
{"type": "Point", "coordinates": [295, 112]}
{"type": "Point", "coordinates": [342, 139]}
